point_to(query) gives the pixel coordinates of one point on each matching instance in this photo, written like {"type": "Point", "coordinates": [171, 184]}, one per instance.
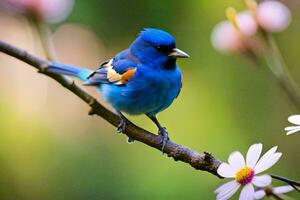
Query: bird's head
{"type": "Point", "coordinates": [156, 47]}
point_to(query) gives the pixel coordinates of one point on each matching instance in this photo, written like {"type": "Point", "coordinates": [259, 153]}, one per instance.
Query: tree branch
{"type": "Point", "coordinates": [293, 183]}
{"type": "Point", "coordinates": [204, 162]}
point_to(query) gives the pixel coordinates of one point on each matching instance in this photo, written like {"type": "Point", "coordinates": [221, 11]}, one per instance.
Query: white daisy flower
{"type": "Point", "coordinates": [268, 191]}
{"type": "Point", "coordinates": [245, 172]}
{"type": "Point", "coordinates": [294, 119]}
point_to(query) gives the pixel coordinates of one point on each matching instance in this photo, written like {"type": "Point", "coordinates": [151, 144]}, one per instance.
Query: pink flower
{"type": "Point", "coordinates": [227, 38]}
{"type": "Point", "coordinates": [246, 23]}
{"type": "Point", "coordinates": [273, 16]}
{"type": "Point", "coordinates": [49, 10]}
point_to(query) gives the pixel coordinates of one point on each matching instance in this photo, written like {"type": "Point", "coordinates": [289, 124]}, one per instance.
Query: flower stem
{"type": "Point", "coordinates": [277, 197]}
{"type": "Point", "coordinates": [45, 38]}
{"type": "Point", "coordinates": [293, 183]}
{"type": "Point", "coordinates": [278, 67]}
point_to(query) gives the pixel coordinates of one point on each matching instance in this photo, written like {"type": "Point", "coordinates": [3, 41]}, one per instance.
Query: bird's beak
{"type": "Point", "coordinates": [177, 53]}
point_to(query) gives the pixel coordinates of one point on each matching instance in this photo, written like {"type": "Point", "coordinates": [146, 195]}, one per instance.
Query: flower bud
{"type": "Point", "coordinates": [273, 16]}
{"type": "Point", "coordinates": [246, 23]}
{"type": "Point", "coordinates": [229, 36]}
{"type": "Point", "coordinates": [226, 38]}
{"type": "Point", "coordinates": [49, 10]}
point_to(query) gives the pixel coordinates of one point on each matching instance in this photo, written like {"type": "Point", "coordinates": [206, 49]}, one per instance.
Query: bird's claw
{"type": "Point", "coordinates": [122, 126]}
{"type": "Point", "coordinates": [163, 133]}
{"type": "Point", "coordinates": [130, 140]}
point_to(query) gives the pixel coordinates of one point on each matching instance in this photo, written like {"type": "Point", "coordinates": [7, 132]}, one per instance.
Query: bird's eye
{"type": "Point", "coordinates": [164, 48]}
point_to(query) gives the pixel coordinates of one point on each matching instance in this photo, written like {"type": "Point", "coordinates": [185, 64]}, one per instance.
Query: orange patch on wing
{"type": "Point", "coordinates": [127, 75]}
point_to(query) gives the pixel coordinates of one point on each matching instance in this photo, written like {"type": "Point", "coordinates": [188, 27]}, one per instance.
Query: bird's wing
{"type": "Point", "coordinates": [118, 70]}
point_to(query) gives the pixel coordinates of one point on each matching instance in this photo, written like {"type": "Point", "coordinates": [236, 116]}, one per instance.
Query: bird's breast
{"type": "Point", "coordinates": [148, 92]}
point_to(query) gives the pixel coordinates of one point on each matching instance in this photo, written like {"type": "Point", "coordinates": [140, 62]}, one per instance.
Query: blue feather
{"type": "Point", "coordinates": [60, 68]}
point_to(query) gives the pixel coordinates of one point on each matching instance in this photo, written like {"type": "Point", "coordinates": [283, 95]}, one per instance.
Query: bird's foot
{"type": "Point", "coordinates": [122, 126]}
{"type": "Point", "coordinates": [130, 140]}
{"type": "Point", "coordinates": [163, 133]}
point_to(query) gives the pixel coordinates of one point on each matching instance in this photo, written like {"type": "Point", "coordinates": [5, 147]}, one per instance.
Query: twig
{"type": "Point", "coordinates": [278, 67]}
{"type": "Point", "coordinates": [206, 161]}
{"type": "Point", "coordinates": [45, 37]}
{"type": "Point", "coordinates": [277, 197]}
{"type": "Point", "coordinates": [291, 182]}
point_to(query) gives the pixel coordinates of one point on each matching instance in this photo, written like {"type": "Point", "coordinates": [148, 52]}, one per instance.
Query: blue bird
{"type": "Point", "coordinates": [143, 79]}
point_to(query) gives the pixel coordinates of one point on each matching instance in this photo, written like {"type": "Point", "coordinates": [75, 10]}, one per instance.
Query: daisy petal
{"type": "Point", "coordinates": [229, 194]}
{"type": "Point", "coordinates": [267, 163]}
{"type": "Point", "coordinates": [236, 160]}
{"type": "Point", "coordinates": [253, 154]}
{"type": "Point", "coordinates": [282, 189]}
{"type": "Point", "coordinates": [225, 170]}
{"type": "Point", "coordinates": [295, 119]}
{"type": "Point", "coordinates": [247, 192]}
{"type": "Point", "coordinates": [259, 194]}
{"type": "Point", "coordinates": [226, 190]}
{"type": "Point", "coordinates": [226, 187]}
{"type": "Point", "coordinates": [292, 130]}
{"type": "Point", "coordinates": [265, 157]}
{"type": "Point", "coordinates": [262, 181]}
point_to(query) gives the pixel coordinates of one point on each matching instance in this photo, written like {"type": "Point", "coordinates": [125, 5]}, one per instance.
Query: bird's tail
{"type": "Point", "coordinates": [60, 68]}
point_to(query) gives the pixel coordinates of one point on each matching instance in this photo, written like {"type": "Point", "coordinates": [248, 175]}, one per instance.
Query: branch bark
{"type": "Point", "coordinates": [200, 161]}
{"type": "Point", "coordinates": [293, 183]}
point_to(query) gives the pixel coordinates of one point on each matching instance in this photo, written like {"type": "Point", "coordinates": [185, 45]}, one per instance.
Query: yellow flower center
{"type": "Point", "coordinates": [245, 175]}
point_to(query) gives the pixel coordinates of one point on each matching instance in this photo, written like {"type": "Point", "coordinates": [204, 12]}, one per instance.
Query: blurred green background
{"type": "Point", "coordinates": [51, 149]}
